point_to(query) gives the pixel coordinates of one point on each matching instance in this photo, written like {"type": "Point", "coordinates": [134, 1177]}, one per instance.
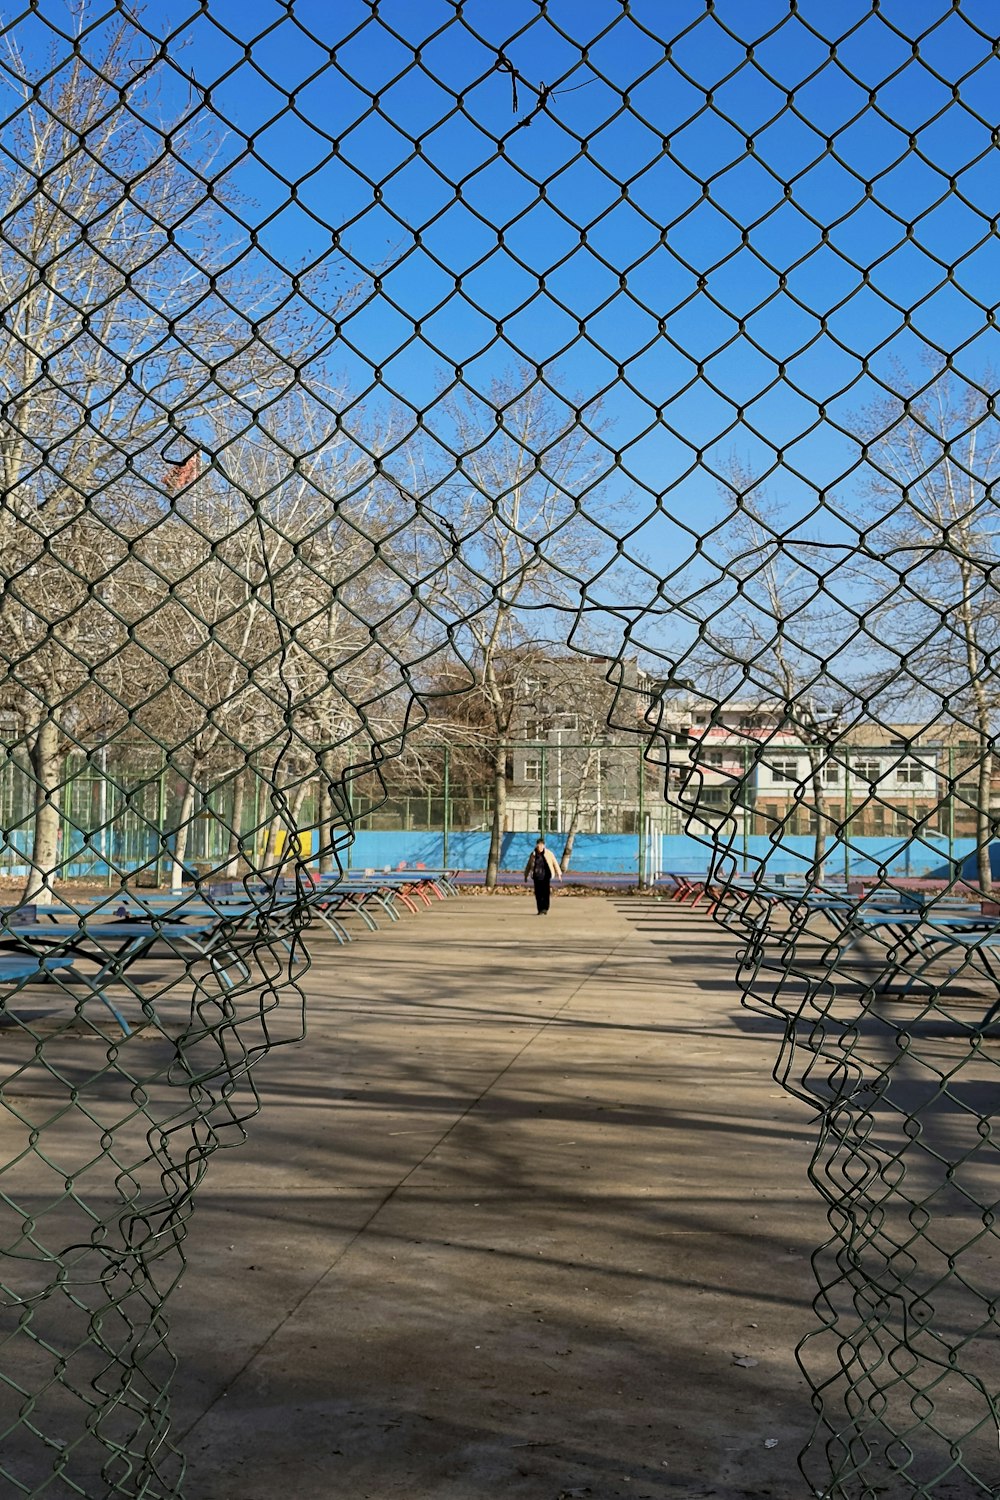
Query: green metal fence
{"type": "Point", "coordinates": [121, 812]}
{"type": "Point", "coordinates": [373, 365]}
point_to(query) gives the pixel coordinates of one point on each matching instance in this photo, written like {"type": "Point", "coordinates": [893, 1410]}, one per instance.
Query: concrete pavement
{"type": "Point", "coordinates": [507, 1220]}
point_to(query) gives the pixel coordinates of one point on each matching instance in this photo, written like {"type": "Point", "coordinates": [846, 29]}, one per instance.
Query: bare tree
{"type": "Point", "coordinates": [263, 641]}
{"type": "Point", "coordinates": [139, 575]}
{"type": "Point", "coordinates": [576, 707]}
{"type": "Point", "coordinates": [516, 542]}
{"type": "Point", "coordinates": [934, 545]}
{"type": "Point", "coordinates": [89, 277]}
{"type": "Point", "coordinates": [772, 635]}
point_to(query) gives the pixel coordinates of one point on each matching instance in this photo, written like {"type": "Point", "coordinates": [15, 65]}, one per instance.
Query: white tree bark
{"type": "Point", "coordinates": [46, 766]}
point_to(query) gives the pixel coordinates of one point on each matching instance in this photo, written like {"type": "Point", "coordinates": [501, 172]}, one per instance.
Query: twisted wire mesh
{"type": "Point", "coordinates": [355, 357]}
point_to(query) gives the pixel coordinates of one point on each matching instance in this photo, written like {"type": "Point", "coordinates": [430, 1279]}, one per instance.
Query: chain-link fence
{"type": "Point", "coordinates": [551, 373]}
{"type": "Point", "coordinates": [120, 810]}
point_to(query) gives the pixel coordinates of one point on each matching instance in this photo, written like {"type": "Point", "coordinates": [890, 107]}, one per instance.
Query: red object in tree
{"type": "Point", "coordinates": [179, 476]}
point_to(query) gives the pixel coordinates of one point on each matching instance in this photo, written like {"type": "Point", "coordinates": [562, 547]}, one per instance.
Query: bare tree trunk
{"type": "Point", "coordinates": [984, 866]}
{"type": "Point", "coordinates": [324, 825]}
{"type": "Point", "coordinates": [571, 832]}
{"type": "Point", "coordinates": [44, 853]}
{"type": "Point", "coordinates": [333, 805]}
{"type": "Point", "coordinates": [279, 819]}
{"type": "Point", "coordinates": [277, 826]}
{"type": "Point", "coordinates": [499, 814]}
{"type": "Point", "coordinates": [284, 822]}
{"type": "Point", "coordinates": [181, 835]}
{"type": "Point", "coordinates": [574, 822]}
{"type": "Point", "coordinates": [232, 867]}
{"type": "Point", "coordinates": [817, 870]}
{"type": "Point", "coordinates": [292, 847]}
{"type": "Point", "coordinates": [973, 658]}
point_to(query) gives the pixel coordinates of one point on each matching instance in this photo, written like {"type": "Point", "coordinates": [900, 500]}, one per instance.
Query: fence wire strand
{"type": "Point", "coordinates": [363, 367]}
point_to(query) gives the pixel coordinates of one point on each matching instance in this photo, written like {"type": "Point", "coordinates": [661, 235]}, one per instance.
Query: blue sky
{"type": "Point", "coordinates": [807, 209]}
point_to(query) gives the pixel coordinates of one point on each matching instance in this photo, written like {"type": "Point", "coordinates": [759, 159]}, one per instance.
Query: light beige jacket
{"type": "Point", "coordinates": [550, 860]}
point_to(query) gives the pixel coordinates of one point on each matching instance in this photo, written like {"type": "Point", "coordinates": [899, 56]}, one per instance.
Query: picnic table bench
{"type": "Point", "coordinates": [915, 930]}
{"type": "Point", "coordinates": [115, 945]}
{"type": "Point", "coordinates": [692, 887]}
{"type": "Point", "coordinates": [116, 930]}
{"type": "Point", "coordinates": [17, 971]}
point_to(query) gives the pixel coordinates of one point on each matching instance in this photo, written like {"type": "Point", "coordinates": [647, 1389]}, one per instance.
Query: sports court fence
{"type": "Point", "coordinates": [363, 362]}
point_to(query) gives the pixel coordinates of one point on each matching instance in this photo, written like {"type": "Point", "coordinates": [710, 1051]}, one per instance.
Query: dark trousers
{"type": "Point", "coordinates": [542, 890]}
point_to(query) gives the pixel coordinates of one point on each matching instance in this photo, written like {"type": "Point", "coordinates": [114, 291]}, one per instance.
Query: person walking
{"type": "Point", "coordinates": [541, 868]}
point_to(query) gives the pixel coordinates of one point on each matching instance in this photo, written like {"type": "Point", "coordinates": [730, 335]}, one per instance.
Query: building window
{"type": "Point", "coordinates": [709, 757]}
{"type": "Point", "coordinates": [783, 771]}
{"type": "Point", "coordinates": [909, 773]}
{"type": "Point", "coordinates": [831, 775]}
{"type": "Point", "coordinates": [530, 688]}
{"type": "Point", "coordinates": [534, 729]}
{"type": "Point", "coordinates": [533, 770]}
{"type": "Point", "coordinates": [868, 770]}
{"type": "Point", "coordinates": [712, 796]}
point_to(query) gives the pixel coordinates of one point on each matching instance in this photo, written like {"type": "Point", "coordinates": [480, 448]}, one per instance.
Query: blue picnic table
{"type": "Point", "coordinates": [17, 971]}
{"type": "Point", "coordinates": [914, 934]}
{"type": "Point", "coordinates": [115, 946]}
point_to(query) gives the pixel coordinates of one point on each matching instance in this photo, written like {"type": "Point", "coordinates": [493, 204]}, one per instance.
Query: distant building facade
{"type": "Point", "coordinates": [569, 765]}
{"type": "Point", "coordinates": [745, 761]}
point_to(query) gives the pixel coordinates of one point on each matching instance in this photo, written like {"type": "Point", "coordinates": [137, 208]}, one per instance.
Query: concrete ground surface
{"type": "Point", "coordinates": [509, 1218]}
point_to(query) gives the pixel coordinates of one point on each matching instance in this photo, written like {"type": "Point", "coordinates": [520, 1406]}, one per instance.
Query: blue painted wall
{"type": "Point", "coordinates": [619, 854]}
